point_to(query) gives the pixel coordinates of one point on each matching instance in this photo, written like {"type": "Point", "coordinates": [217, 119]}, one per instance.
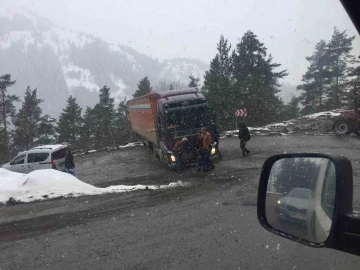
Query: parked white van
{"type": "Point", "coordinates": [39, 158]}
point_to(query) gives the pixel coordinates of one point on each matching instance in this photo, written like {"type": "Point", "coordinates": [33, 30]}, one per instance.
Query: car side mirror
{"type": "Point", "coordinates": [307, 198]}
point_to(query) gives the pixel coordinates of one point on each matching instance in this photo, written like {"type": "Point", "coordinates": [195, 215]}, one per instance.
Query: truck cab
{"type": "Point", "coordinates": [164, 118]}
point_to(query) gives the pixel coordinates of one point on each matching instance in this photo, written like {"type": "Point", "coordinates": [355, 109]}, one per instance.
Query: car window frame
{"type": "Point", "coordinates": [14, 160]}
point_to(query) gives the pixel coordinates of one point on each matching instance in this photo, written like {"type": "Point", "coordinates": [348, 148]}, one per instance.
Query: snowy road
{"type": "Point", "coordinates": [210, 225]}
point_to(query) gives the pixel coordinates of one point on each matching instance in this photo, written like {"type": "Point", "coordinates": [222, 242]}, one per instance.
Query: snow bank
{"type": "Point", "coordinates": [130, 145]}
{"type": "Point", "coordinates": [9, 180]}
{"type": "Point", "coordinates": [329, 114]}
{"type": "Point", "coordinates": [47, 184]}
{"type": "Point", "coordinates": [317, 123]}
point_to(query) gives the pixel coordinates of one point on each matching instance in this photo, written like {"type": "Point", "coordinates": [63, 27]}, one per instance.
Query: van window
{"type": "Point", "coordinates": [59, 154]}
{"type": "Point", "coordinates": [37, 157]}
{"type": "Point", "coordinates": [19, 160]}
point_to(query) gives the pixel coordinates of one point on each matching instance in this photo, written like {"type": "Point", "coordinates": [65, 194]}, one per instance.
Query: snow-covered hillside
{"type": "Point", "coordinates": [61, 62]}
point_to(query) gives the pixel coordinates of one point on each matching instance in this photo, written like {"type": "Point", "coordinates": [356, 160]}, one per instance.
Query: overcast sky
{"type": "Point", "coordinates": [191, 28]}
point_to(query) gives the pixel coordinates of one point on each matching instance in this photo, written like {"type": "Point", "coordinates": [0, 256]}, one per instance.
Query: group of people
{"type": "Point", "coordinates": [203, 148]}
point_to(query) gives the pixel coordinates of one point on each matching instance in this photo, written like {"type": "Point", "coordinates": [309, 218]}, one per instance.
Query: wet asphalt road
{"type": "Point", "coordinates": [211, 224]}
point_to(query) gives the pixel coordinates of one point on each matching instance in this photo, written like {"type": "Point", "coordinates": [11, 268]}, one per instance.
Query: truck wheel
{"type": "Point", "coordinates": [343, 127]}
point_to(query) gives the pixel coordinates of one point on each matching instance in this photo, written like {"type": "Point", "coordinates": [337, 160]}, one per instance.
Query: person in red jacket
{"type": "Point", "coordinates": [207, 145]}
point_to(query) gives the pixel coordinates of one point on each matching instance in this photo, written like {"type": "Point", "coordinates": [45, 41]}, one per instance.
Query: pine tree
{"type": "Point", "coordinates": [218, 86]}
{"type": "Point", "coordinates": [7, 110]}
{"type": "Point", "coordinates": [291, 110]}
{"type": "Point", "coordinates": [194, 82]}
{"type": "Point", "coordinates": [70, 122]}
{"type": "Point", "coordinates": [143, 88]}
{"type": "Point", "coordinates": [256, 81]}
{"type": "Point", "coordinates": [104, 113]}
{"type": "Point", "coordinates": [122, 123]}
{"type": "Point", "coordinates": [339, 49]}
{"type": "Point", "coordinates": [46, 131]}
{"type": "Point", "coordinates": [315, 80]}
{"type": "Point", "coordinates": [353, 86]}
{"type": "Point", "coordinates": [88, 127]}
{"type": "Point", "coordinates": [28, 120]}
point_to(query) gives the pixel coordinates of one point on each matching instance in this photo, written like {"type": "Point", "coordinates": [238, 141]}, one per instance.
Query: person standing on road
{"type": "Point", "coordinates": [69, 162]}
{"type": "Point", "coordinates": [207, 145]}
{"type": "Point", "coordinates": [178, 150]}
{"type": "Point", "coordinates": [244, 136]}
{"type": "Point", "coordinates": [199, 152]}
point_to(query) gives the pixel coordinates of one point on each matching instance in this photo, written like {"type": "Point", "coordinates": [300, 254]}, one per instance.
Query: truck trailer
{"type": "Point", "coordinates": [163, 118]}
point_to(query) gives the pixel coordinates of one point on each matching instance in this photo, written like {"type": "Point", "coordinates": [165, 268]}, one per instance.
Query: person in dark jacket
{"type": "Point", "coordinates": [69, 162]}
{"type": "Point", "coordinates": [178, 151]}
{"type": "Point", "coordinates": [244, 136]}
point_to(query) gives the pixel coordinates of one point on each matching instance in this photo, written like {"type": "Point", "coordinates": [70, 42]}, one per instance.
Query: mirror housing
{"type": "Point", "coordinates": [345, 228]}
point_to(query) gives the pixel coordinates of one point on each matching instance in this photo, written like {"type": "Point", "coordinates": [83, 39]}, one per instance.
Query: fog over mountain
{"type": "Point", "coordinates": [62, 62]}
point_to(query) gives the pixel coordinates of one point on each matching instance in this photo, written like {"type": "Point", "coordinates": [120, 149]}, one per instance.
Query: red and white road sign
{"type": "Point", "coordinates": [241, 113]}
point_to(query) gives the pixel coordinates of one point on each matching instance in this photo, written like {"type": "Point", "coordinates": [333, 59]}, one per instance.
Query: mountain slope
{"type": "Point", "coordinates": [60, 62]}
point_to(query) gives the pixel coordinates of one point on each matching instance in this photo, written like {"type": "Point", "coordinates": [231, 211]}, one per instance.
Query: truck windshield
{"type": "Point", "coordinates": [187, 118]}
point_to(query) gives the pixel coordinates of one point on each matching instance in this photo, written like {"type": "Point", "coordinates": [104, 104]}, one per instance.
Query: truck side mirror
{"type": "Point", "coordinates": [307, 198]}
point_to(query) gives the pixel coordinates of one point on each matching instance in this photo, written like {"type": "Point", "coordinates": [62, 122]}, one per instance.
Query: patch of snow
{"type": "Point", "coordinates": [258, 129]}
{"type": "Point", "coordinates": [130, 145]}
{"type": "Point", "coordinates": [10, 180]}
{"type": "Point", "coordinates": [115, 48]}
{"type": "Point", "coordinates": [179, 70]}
{"type": "Point", "coordinates": [47, 184]}
{"type": "Point", "coordinates": [120, 87]}
{"type": "Point", "coordinates": [91, 151]}
{"type": "Point", "coordinates": [25, 37]}
{"type": "Point", "coordinates": [283, 124]}
{"type": "Point", "coordinates": [86, 79]}
{"type": "Point", "coordinates": [322, 114]}
{"type": "Point", "coordinates": [68, 37]}
{"type": "Point", "coordinates": [135, 66]}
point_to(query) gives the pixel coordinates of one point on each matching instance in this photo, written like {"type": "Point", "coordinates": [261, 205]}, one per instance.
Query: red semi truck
{"type": "Point", "coordinates": [349, 120]}
{"type": "Point", "coordinates": [163, 118]}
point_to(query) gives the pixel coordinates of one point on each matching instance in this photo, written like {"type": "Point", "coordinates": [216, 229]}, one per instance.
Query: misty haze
{"type": "Point", "coordinates": [133, 134]}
